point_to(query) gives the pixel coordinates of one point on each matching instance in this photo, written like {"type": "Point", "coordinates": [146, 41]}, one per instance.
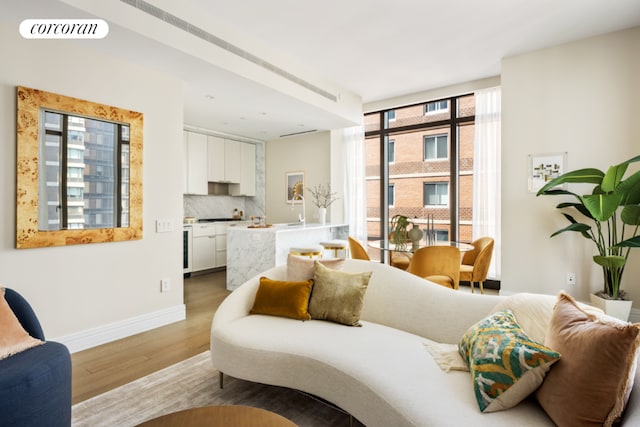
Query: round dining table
{"type": "Point", "coordinates": [410, 248]}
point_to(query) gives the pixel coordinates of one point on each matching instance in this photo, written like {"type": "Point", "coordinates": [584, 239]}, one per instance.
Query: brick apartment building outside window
{"type": "Point", "coordinates": [428, 169]}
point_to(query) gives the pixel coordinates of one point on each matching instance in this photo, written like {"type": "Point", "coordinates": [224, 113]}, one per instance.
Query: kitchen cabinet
{"type": "Point", "coordinates": [223, 160]}
{"type": "Point", "coordinates": [247, 168]}
{"type": "Point", "coordinates": [221, 244]}
{"type": "Point", "coordinates": [195, 154]}
{"type": "Point", "coordinates": [211, 158]}
{"type": "Point", "coordinates": [204, 247]}
{"type": "Point", "coordinates": [215, 159]}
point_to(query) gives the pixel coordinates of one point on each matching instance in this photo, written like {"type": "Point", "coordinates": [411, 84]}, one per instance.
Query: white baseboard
{"type": "Point", "coordinates": [114, 331]}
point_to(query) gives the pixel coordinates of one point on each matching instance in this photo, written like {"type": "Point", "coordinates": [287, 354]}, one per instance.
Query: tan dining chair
{"type": "Point", "coordinates": [437, 263]}
{"type": "Point", "coordinates": [357, 250]}
{"type": "Point", "coordinates": [475, 263]}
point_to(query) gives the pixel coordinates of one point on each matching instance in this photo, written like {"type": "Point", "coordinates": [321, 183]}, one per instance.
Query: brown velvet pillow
{"type": "Point", "coordinates": [301, 268]}
{"type": "Point", "coordinates": [285, 299]}
{"type": "Point", "coordinates": [337, 296]}
{"type": "Point", "coordinates": [590, 384]}
{"type": "Point", "coordinates": [13, 337]}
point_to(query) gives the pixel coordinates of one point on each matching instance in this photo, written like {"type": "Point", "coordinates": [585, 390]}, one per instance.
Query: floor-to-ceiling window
{"type": "Point", "coordinates": [419, 163]}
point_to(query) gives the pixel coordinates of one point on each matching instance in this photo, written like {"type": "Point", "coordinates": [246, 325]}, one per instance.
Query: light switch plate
{"type": "Point", "coordinates": [164, 225]}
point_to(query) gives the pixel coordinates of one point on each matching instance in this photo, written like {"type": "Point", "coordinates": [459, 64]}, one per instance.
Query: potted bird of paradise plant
{"type": "Point", "coordinates": [609, 216]}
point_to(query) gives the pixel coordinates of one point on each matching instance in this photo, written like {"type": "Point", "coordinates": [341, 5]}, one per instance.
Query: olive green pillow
{"type": "Point", "coordinates": [283, 298]}
{"type": "Point", "coordinates": [337, 296]}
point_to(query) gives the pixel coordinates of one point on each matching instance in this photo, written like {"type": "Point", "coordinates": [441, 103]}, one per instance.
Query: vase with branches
{"type": "Point", "coordinates": [322, 195]}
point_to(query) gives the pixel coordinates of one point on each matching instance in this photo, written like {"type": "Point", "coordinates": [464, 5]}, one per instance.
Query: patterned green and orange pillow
{"type": "Point", "coordinates": [506, 365]}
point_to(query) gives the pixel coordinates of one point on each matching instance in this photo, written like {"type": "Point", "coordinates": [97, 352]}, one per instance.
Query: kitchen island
{"type": "Point", "coordinates": [251, 251]}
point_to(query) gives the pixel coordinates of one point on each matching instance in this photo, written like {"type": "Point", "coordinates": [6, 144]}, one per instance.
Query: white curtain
{"type": "Point", "coordinates": [486, 171]}
{"type": "Point", "coordinates": [355, 203]}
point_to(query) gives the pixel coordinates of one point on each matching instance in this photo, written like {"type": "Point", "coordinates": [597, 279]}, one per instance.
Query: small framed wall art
{"type": "Point", "coordinates": [294, 184]}
{"type": "Point", "coordinates": [545, 167]}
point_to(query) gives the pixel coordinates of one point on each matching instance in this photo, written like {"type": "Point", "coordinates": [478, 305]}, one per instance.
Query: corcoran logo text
{"type": "Point", "coordinates": [64, 28]}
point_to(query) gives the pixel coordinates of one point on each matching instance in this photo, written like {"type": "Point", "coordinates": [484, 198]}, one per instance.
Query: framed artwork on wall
{"type": "Point", "coordinates": [545, 167]}
{"type": "Point", "coordinates": [294, 186]}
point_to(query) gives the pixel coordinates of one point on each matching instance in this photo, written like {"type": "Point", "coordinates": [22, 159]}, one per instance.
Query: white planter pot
{"type": "Point", "coordinates": [619, 309]}
{"type": "Point", "coordinates": [322, 215]}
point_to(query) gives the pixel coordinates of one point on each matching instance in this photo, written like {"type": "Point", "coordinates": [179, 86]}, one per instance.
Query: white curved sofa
{"type": "Point", "coordinates": [380, 373]}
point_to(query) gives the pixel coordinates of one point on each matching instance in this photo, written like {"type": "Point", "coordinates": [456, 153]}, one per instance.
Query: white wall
{"type": "Point", "coordinates": [582, 98]}
{"type": "Point", "coordinates": [77, 288]}
{"type": "Point", "coordinates": [310, 153]}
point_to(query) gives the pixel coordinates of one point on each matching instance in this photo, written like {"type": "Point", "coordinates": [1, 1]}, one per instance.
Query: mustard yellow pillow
{"type": "Point", "coordinates": [283, 298]}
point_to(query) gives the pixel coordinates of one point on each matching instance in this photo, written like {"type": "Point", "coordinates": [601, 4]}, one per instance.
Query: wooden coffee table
{"type": "Point", "coordinates": [221, 416]}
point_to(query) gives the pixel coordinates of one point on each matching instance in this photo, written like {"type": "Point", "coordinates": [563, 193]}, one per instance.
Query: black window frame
{"type": "Point", "coordinates": [121, 129]}
{"type": "Point", "coordinates": [383, 130]}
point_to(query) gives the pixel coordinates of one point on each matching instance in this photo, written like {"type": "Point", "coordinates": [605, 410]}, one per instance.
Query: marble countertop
{"type": "Point", "coordinates": [294, 226]}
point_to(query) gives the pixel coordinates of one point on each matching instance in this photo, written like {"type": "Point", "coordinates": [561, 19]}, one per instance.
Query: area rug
{"type": "Point", "coordinates": [193, 383]}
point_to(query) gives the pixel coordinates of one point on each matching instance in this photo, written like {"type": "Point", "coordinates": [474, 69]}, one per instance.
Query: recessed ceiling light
{"type": "Point", "coordinates": [209, 96]}
{"type": "Point", "coordinates": [262, 113]}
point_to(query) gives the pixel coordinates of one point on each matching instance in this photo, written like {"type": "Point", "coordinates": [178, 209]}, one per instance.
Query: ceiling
{"type": "Point", "coordinates": [373, 49]}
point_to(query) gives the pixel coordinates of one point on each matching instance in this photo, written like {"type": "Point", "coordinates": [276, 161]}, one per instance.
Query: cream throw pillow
{"type": "Point", "coordinates": [337, 296]}
{"type": "Point", "coordinates": [532, 312]}
{"type": "Point", "coordinates": [301, 268]}
{"type": "Point", "coordinates": [13, 337]}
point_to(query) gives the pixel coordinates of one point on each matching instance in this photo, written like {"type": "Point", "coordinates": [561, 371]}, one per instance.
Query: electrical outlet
{"type": "Point", "coordinates": [571, 278]}
{"type": "Point", "coordinates": [165, 285]}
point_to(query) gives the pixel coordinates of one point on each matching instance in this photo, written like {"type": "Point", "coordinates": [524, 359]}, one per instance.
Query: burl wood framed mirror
{"type": "Point", "coordinates": [79, 171]}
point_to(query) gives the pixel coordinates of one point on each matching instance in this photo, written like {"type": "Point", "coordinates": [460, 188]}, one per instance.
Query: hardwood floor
{"type": "Point", "coordinates": [105, 367]}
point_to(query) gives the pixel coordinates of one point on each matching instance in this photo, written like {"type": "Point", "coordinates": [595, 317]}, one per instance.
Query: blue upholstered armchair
{"type": "Point", "coordinates": [35, 385]}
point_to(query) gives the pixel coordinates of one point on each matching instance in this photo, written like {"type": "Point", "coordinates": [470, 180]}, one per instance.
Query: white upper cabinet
{"type": "Point", "coordinates": [215, 164]}
{"type": "Point", "coordinates": [213, 159]}
{"type": "Point", "coordinates": [232, 161]}
{"type": "Point", "coordinates": [196, 163]}
{"type": "Point", "coordinates": [247, 185]}
{"type": "Point", "coordinates": [223, 163]}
